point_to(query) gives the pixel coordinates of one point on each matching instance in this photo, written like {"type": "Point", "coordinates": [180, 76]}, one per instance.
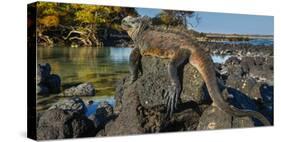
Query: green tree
{"type": "Point", "coordinates": [173, 18]}
{"type": "Point", "coordinates": [77, 22]}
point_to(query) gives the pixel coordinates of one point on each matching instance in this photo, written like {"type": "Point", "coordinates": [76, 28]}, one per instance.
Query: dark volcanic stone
{"type": "Point", "coordinates": [46, 82]}
{"type": "Point", "coordinates": [41, 89]}
{"type": "Point", "coordinates": [60, 124]}
{"type": "Point", "coordinates": [74, 104]}
{"type": "Point", "coordinates": [104, 113]}
{"type": "Point", "coordinates": [84, 89]}
{"type": "Point", "coordinates": [232, 61]}
{"type": "Point", "coordinates": [128, 120]}
{"type": "Point", "coordinates": [53, 82]}
{"type": "Point", "coordinates": [136, 119]}
{"type": "Point", "coordinates": [214, 118]}
{"type": "Point", "coordinates": [140, 108]}
{"type": "Point", "coordinates": [155, 81]}
{"type": "Point", "coordinates": [43, 72]}
{"type": "Point", "coordinates": [260, 68]}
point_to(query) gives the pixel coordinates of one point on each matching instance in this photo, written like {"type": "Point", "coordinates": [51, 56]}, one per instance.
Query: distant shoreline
{"type": "Point", "coordinates": [220, 37]}
{"type": "Point", "coordinates": [250, 36]}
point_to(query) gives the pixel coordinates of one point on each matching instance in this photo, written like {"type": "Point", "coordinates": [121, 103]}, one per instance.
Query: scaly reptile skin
{"type": "Point", "coordinates": [179, 48]}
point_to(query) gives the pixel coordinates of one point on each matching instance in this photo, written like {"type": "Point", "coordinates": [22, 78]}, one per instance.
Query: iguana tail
{"type": "Point", "coordinates": [203, 62]}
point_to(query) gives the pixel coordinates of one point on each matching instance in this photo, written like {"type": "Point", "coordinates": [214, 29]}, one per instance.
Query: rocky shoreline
{"type": "Point", "coordinates": [247, 83]}
{"type": "Point", "coordinates": [242, 49]}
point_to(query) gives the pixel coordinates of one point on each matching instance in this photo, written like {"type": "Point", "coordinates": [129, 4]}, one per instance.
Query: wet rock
{"type": "Point", "coordinates": [74, 104]}
{"type": "Point", "coordinates": [104, 113]}
{"type": "Point", "coordinates": [85, 89]}
{"type": "Point", "coordinates": [46, 83]}
{"type": "Point", "coordinates": [260, 68]}
{"type": "Point", "coordinates": [53, 83]}
{"type": "Point", "coordinates": [244, 84]}
{"type": "Point", "coordinates": [60, 124]}
{"type": "Point", "coordinates": [266, 105]}
{"type": "Point", "coordinates": [213, 118]}
{"type": "Point", "coordinates": [249, 75]}
{"type": "Point", "coordinates": [42, 89]}
{"type": "Point", "coordinates": [43, 72]}
{"type": "Point", "coordinates": [232, 61]}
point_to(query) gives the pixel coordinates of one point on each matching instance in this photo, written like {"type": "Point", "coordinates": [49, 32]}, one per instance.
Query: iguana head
{"type": "Point", "coordinates": [134, 25]}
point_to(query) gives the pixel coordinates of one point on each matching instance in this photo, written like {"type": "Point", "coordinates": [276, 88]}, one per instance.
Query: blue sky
{"type": "Point", "coordinates": [226, 23]}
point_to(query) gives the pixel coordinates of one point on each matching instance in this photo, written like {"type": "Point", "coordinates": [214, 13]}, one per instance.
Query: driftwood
{"type": "Point", "coordinates": [86, 35]}
{"type": "Point", "coordinates": [47, 41]}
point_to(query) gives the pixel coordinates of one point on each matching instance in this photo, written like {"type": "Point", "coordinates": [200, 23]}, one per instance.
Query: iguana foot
{"type": "Point", "coordinates": [132, 80]}
{"type": "Point", "coordinates": [171, 99]}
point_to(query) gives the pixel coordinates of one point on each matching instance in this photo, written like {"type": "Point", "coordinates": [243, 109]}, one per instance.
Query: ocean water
{"type": "Point", "coordinates": [267, 42]}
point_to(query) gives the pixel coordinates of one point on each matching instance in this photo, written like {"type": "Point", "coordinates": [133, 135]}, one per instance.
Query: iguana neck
{"type": "Point", "coordinates": [134, 34]}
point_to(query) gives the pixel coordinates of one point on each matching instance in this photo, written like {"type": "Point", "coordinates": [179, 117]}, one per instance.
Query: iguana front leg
{"type": "Point", "coordinates": [135, 64]}
{"type": "Point", "coordinates": [172, 95]}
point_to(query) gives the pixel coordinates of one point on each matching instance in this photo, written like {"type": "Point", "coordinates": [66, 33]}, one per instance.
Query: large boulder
{"type": "Point", "coordinates": [152, 85]}
{"type": "Point", "coordinates": [60, 124]}
{"type": "Point", "coordinates": [155, 81]}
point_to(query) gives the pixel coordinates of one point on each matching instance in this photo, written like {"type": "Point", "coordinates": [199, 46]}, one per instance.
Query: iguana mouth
{"type": "Point", "coordinates": [125, 25]}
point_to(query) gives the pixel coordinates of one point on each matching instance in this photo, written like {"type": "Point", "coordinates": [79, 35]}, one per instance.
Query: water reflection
{"type": "Point", "coordinates": [120, 54]}
{"type": "Point", "coordinates": [101, 66]}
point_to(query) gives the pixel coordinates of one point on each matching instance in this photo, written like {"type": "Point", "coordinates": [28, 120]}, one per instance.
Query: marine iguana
{"type": "Point", "coordinates": [179, 48]}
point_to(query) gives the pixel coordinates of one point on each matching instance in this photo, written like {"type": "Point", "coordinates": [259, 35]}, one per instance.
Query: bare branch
{"type": "Point", "coordinates": [74, 31]}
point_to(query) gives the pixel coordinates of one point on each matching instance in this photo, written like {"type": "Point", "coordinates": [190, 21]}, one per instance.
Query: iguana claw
{"type": "Point", "coordinates": [171, 98]}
